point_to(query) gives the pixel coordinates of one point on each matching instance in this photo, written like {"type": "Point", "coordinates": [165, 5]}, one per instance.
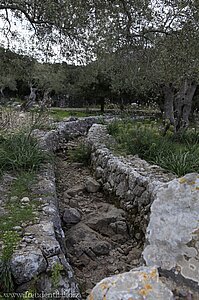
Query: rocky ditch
{"type": "Point", "coordinates": [121, 219]}
{"type": "Point", "coordinates": [98, 239]}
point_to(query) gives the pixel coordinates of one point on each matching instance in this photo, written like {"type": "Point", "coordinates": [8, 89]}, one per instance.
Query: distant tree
{"type": "Point", "coordinates": [8, 71]}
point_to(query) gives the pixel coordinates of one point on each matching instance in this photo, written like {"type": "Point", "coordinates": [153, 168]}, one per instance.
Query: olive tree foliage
{"type": "Point", "coordinates": [65, 22]}
{"type": "Point", "coordinates": [163, 57]}
{"type": "Point", "coordinates": [7, 74]}
{"type": "Point", "coordinates": [144, 44]}
{"type": "Point", "coordinates": [43, 79]}
{"type": "Point", "coordinates": [12, 69]}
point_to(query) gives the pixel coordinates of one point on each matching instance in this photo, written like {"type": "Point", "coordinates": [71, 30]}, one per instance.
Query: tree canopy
{"type": "Point", "coordinates": [140, 44]}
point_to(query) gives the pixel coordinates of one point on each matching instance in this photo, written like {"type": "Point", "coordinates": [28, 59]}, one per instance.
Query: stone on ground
{"type": "Point", "coordinates": [75, 190]}
{"type": "Point", "coordinates": [108, 220]}
{"type": "Point", "coordinates": [91, 185]}
{"type": "Point", "coordinates": [141, 283]}
{"type": "Point", "coordinates": [71, 216]}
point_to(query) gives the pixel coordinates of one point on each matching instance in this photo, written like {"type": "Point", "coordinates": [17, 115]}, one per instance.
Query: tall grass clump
{"type": "Point", "coordinates": [19, 151]}
{"type": "Point", "coordinates": [177, 153]}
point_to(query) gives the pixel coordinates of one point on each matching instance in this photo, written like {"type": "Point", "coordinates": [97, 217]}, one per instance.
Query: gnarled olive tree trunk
{"type": "Point", "coordinates": [177, 105]}
{"type": "Point", "coordinates": [45, 102]}
{"type": "Point", "coordinates": [30, 100]}
{"type": "Point", "coordinates": [183, 104]}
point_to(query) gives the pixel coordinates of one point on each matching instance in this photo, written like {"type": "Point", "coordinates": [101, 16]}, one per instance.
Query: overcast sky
{"type": "Point", "coordinates": [21, 39]}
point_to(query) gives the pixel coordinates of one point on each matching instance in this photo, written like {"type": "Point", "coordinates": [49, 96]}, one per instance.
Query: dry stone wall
{"type": "Point", "coordinates": [39, 262]}
{"type": "Point", "coordinates": [163, 210]}
{"type": "Point", "coordinates": [133, 181]}
{"type": "Point", "coordinates": [172, 229]}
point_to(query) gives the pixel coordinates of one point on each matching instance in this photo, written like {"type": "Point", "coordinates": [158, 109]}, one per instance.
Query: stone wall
{"type": "Point", "coordinates": [39, 263]}
{"type": "Point", "coordinates": [163, 210]}
{"type": "Point", "coordinates": [133, 181]}
{"type": "Point", "coordinates": [173, 226]}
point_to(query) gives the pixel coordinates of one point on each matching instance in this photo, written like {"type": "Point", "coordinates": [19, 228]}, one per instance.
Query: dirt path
{"type": "Point", "coordinates": [99, 245]}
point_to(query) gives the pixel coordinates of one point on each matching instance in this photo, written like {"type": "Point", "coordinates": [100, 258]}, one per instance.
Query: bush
{"type": "Point", "coordinates": [179, 162]}
{"type": "Point", "coordinates": [82, 154]}
{"type": "Point", "coordinates": [176, 153]}
{"type": "Point", "coordinates": [20, 152]}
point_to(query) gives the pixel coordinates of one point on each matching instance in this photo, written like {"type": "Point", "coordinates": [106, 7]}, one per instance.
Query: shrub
{"type": "Point", "coordinates": [176, 153]}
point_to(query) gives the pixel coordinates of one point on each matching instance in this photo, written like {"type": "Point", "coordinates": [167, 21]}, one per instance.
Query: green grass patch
{"type": "Point", "coordinates": [60, 114]}
{"type": "Point", "coordinates": [22, 185]}
{"type": "Point", "coordinates": [178, 154]}
{"type": "Point", "coordinates": [20, 151]}
{"type": "Point", "coordinates": [16, 213]}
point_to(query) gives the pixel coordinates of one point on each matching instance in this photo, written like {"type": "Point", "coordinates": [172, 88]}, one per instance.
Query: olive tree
{"type": "Point", "coordinates": [155, 41]}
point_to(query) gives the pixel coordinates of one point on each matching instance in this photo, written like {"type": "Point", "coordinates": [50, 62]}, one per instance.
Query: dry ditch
{"type": "Point", "coordinates": [98, 240]}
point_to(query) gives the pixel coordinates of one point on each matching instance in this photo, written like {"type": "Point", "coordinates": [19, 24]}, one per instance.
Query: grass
{"type": "Point", "coordinates": [60, 114]}
{"type": "Point", "coordinates": [20, 154]}
{"type": "Point", "coordinates": [15, 215]}
{"type": "Point", "coordinates": [13, 121]}
{"type": "Point", "coordinates": [20, 151]}
{"type": "Point", "coordinates": [178, 154]}
{"type": "Point", "coordinates": [22, 185]}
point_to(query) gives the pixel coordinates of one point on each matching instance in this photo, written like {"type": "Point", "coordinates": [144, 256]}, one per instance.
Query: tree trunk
{"type": "Point", "coordinates": [102, 104]}
{"type": "Point", "coordinates": [30, 99]}
{"type": "Point", "coordinates": [45, 100]}
{"type": "Point", "coordinates": [183, 104]}
{"type": "Point", "coordinates": [168, 116]}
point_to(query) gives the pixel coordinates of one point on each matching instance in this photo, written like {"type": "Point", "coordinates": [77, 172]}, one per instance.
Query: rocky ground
{"type": "Point", "coordinates": [98, 240]}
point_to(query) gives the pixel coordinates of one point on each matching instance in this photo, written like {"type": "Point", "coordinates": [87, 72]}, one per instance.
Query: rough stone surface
{"type": "Point", "coordinates": [43, 238]}
{"type": "Point", "coordinates": [27, 263]}
{"type": "Point", "coordinates": [75, 190]}
{"type": "Point", "coordinates": [108, 221]}
{"type": "Point", "coordinates": [100, 245]}
{"type": "Point", "coordinates": [142, 283]}
{"type": "Point", "coordinates": [71, 216]}
{"type": "Point", "coordinates": [91, 185]}
{"type": "Point", "coordinates": [131, 179]}
{"type": "Point", "coordinates": [173, 230]}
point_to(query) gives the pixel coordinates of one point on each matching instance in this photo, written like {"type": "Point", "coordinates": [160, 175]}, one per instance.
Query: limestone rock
{"type": "Point", "coordinates": [71, 216]}
{"type": "Point", "coordinates": [141, 283]}
{"type": "Point", "coordinates": [101, 248]}
{"type": "Point", "coordinates": [82, 239]}
{"type": "Point", "coordinates": [109, 220]}
{"type": "Point", "coordinates": [25, 200]}
{"type": "Point", "coordinates": [45, 236]}
{"type": "Point", "coordinates": [173, 230]}
{"type": "Point", "coordinates": [27, 263]}
{"type": "Point", "coordinates": [91, 185]}
{"type": "Point", "coordinates": [75, 190]}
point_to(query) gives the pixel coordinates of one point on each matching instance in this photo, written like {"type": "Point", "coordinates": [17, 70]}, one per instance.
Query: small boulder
{"type": "Point", "coordinates": [91, 185]}
{"type": "Point", "coordinates": [71, 216]}
{"type": "Point", "coordinates": [27, 263]}
{"type": "Point", "coordinates": [140, 283]}
{"type": "Point", "coordinates": [101, 248]}
{"type": "Point", "coordinates": [74, 190]}
{"type": "Point", "coordinates": [25, 200]}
